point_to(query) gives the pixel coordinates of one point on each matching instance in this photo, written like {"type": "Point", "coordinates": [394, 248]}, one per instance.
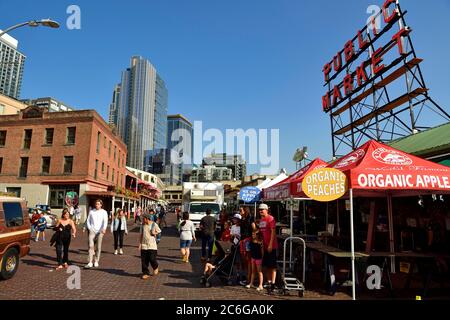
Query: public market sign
{"type": "Point", "coordinates": [325, 184]}
{"type": "Point", "coordinates": [362, 44]}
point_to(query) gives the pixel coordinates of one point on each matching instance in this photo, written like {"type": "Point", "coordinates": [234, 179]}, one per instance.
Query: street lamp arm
{"type": "Point", "coordinates": [33, 23]}
{"type": "Point", "coordinates": [14, 27]}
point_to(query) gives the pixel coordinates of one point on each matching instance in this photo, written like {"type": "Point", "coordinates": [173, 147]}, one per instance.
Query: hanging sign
{"type": "Point", "coordinates": [325, 184]}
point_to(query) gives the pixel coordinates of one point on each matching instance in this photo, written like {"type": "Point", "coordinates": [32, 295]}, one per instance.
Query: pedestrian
{"type": "Point", "coordinates": [41, 226]}
{"type": "Point", "coordinates": [96, 223]}
{"type": "Point", "coordinates": [137, 215]}
{"type": "Point", "coordinates": [162, 217]}
{"type": "Point", "coordinates": [244, 246]}
{"type": "Point", "coordinates": [267, 227]}
{"type": "Point", "coordinates": [226, 234]}
{"type": "Point", "coordinates": [153, 215]}
{"type": "Point", "coordinates": [207, 227]}
{"type": "Point", "coordinates": [257, 254]}
{"type": "Point", "coordinates": [187, 235]}
{"type": "Point", "coordinates": [235, 239]}
{"type": "Point", "coordinates": [34, 221]}
{"type": "Point", "coordinates": [77, 214]}
{"type": "Point", "coordinates": [148, 246]}
{"type": "Point", "coordinates": [118, 229]}
{"type": "Point", "coordinates": [65, 230]}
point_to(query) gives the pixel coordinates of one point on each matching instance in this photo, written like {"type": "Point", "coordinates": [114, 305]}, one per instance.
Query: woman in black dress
{"type": "Point", "coordinates": [65, 229]}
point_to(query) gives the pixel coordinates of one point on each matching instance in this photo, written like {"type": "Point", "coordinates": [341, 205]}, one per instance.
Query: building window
{"type": "Point", "coordinates": [96, 170]}
{"type": "Point", "coordinates": [49, 136]}
{"type": "Point", "coordinates": [27, 138]}
{"type": "Point", "coordinates": [2, 138]}
{"type": "Point", "coordinates": [71, 131]}
{"type": "Point", "coordinates": [68, 164]}
{"type": "Point", "coordinates": [98, 141]}
{"type": "Point", "coordinates": [107, 173]}
{"type": "Point", "coordinates": [2, 108]}
{"type": "Point", "coordinates": [23, 171]}
{"type": "Point", "coordinates": [109, 149]}
{"type": "Point", "coordinates": [112, 176]}
{"type": "Point", "coordinates": [104, 141]}
{"type": "Point", "coordinates": [103, 168]}
{"type": "Point", "coordinates": [1, 165]}
{"type": "Point", "coordinates": [16, 191]}
{"type": "Point", "coordinates": [115, 151]}
{"type": "Point", "coordinates": [118, 162]}
{"type": "Point", "coordinates": [45, 165]}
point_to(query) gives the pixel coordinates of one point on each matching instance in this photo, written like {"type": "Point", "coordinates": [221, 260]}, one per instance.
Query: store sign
{"type": "Point", "coordinates": [325, 184]}
{"type": "Point", "coordinates": [362, 45]}
{"type": "Point", "coordinates": [71, 198]}
{"type": "Point", "coordinates": [250, 194]}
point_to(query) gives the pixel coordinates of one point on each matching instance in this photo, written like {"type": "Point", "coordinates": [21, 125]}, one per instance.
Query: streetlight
{"type": "Point", "coordinates": [33, 23]}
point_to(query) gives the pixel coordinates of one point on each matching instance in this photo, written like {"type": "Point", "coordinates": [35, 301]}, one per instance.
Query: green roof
{"type": "Point", "coordinates": [427, 143]}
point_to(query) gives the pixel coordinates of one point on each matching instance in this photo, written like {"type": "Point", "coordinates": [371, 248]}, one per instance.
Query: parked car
{"type": "Point", "coordinates": [14, 234]}
{"type": "Point", "coordinates": [50, 218]}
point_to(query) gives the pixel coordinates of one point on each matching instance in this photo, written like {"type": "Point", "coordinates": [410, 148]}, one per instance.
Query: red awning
{"type": "Point", "coordinates": [291, 186]}
{"type": "Point", "coordinates": [378, 167]}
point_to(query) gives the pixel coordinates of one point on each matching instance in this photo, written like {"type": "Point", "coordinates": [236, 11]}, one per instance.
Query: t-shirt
{"type": "Point", "coordinates": [148, 240]}
{"type": "Point", "coordinates": [187, 232]}
{"type": "Point", "coordinates": [209, 225]}
{"type": "Point", "coordinates": [266, 225]}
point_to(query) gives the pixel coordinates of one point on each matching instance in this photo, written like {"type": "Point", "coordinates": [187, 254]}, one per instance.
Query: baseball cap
{"type": "Point", "coordinates": [263, 206]}
{"type": "Point", "coordinates": [237, 216]}
{"type": "Point", "coordinates": [146, 215]}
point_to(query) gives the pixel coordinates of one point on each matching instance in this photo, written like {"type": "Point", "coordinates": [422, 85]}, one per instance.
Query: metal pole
{"type": "Point", "coordinates": [391, 232]}
{"type": "Point", "coordinates": [304, 217]}
{"type": "Point", "coordinates": [292, 233]}
{"type": "Point", "coordinates": [352, 243]}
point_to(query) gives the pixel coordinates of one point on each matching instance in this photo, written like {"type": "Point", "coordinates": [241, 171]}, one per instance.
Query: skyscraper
{"type": "Point", "coordinates": [180, 142]}
{"type": "Point", "coordinates": [139, 111]}
{"type": "Point", "coordinates": [11, 67]}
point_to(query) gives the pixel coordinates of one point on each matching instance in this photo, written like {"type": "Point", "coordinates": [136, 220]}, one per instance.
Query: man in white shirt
{"type": "Point", "coordinates": [96, 223]}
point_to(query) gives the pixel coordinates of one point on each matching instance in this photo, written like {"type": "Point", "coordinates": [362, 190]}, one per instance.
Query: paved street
{"type": "Point", "coordinates": [118, 277]}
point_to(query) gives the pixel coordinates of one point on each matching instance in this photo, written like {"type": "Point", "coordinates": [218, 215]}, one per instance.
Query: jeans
{"type": "Point", "coordinates": [118, 239]}
{"type": "Point", "coordinates": [207, 239]}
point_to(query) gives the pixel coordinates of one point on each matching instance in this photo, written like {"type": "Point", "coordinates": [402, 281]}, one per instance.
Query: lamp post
{"type": "Point", "coordinates": [33, 23]}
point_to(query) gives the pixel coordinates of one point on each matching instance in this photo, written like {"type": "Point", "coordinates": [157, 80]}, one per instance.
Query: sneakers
{"type": "Point", "coordinates": [96, 264]}
{"type": "Point", "coordinates": [145, 277]}
{"type": "Point", "coordinates": [115, 252]}
{"type": "Point", "coordinates": [155, 272]}
{"type": "Point", "coordinates": [259, 289]}
{"type": "Point", "coordinates": [120, 251]}
{"type": "Point", "coordinates": [248, 286]}
{"type": "Point", "coordinates": [89, 265]}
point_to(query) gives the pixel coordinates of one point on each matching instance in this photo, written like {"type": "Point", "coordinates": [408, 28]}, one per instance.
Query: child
{"type": "Point", "coordinates": [41, 226]}
{"type": "Point", "coordinates": [236, 229]}
{"type": "Point", "coordinates": [226, 234]}
{"type": "Point", "coordinates": [257, 252]}
{"type": "Point", "coordinates": [148, 246]}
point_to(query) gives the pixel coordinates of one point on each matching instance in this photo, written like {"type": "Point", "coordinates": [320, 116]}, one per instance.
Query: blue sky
{"type": "Point", "coordinates": [232, 64]}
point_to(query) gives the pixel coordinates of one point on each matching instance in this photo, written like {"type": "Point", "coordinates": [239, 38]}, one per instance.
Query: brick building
{"type": "Point", "coordinates": [44, 155]}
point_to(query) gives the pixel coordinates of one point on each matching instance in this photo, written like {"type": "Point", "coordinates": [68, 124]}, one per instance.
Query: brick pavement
{"type": "Point", "coordinates": [118, 277]}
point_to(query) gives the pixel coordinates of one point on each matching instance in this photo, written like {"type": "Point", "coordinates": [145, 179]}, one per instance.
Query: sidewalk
{"type": "Point", "coordinates": [119, 277]}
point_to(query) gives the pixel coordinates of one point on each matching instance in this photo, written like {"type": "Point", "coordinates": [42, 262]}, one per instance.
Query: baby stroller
{"type": "Point", "coordinates": [223, 265]}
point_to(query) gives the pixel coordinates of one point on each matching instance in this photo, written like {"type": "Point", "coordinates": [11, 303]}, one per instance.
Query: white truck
{"type": "Point", "coordinates": [198, 197]}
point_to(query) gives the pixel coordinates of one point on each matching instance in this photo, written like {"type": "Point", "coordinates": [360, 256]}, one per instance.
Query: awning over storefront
{"type": "Point", "coordinates": [291, 186]}
{"type": "Point", "coordinates": [380, 168]}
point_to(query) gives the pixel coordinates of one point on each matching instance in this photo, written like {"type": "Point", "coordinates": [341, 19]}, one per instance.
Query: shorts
{"type": "Point", "coordinates": [258, 262]}
{"type": "Point", "coordinates": [270, 259]}
{"type": "Point", "coordinates": [185, 244]}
